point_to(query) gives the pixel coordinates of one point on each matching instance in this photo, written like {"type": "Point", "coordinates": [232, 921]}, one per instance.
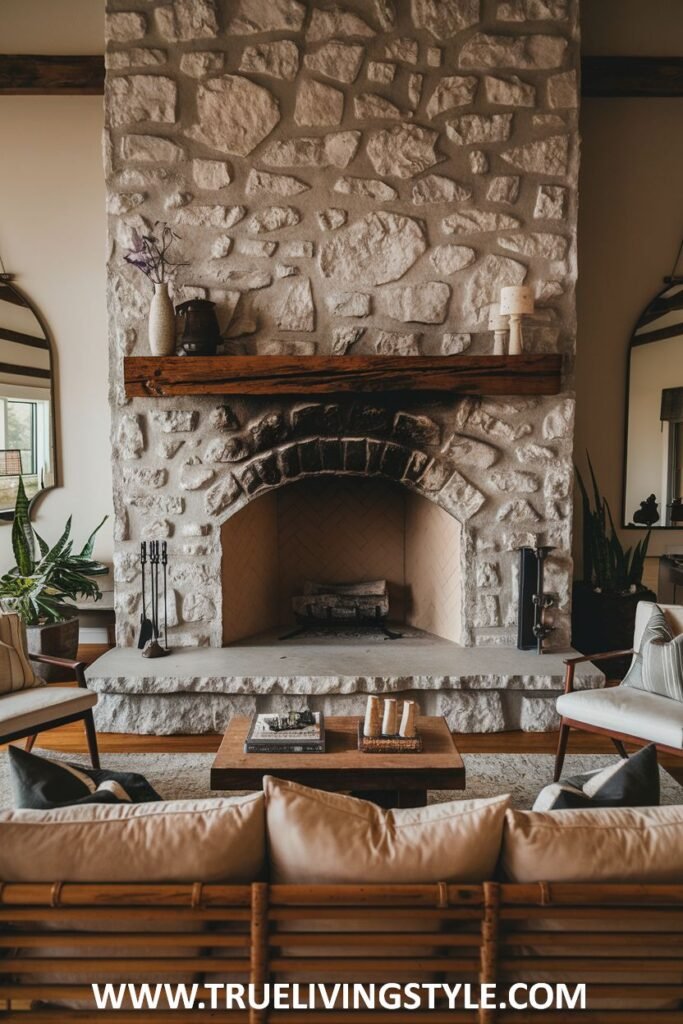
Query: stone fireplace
{"type": "Point", "coordinates": [340, 530]}
{"type": "Point", "coordinates": [354, 179]}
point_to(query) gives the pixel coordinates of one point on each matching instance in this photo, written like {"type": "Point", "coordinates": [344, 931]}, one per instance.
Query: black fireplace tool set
{"type": "Point", "coordinates": [149, 641]}
{"type": "Point", "coordinates": [532, 628]}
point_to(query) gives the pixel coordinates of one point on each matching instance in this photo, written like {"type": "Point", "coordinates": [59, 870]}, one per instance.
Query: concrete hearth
{"type": "Point", "coordinates": [483, 689]}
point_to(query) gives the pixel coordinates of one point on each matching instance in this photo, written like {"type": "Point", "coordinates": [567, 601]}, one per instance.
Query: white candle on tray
{"type": "Point", "coordinates": [390, 723]}
{"type": "Point", "coordinates": [372, 726]}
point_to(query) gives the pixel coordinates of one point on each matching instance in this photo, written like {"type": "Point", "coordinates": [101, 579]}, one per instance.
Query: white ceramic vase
{"type": "Point", "coordinates": [161, 323]}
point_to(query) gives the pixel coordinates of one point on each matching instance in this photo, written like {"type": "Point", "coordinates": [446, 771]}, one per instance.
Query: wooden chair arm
{"type": "Point", "coordinates": [571, 664]}
{"type": "Point", "coordinates": [78, 667]}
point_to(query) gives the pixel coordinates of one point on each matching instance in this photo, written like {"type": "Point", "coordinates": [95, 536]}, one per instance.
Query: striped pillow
{"type": "Point", "coordinates": [657, 629]}
{"type": "Point", "coordinates": [15, 668]}
{"type": "Point", "coordinates": [663, 667]}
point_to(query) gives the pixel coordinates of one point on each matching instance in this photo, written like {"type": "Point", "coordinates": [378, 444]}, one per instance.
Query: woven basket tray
{"type": "Point", "coordinates": [388, 744]}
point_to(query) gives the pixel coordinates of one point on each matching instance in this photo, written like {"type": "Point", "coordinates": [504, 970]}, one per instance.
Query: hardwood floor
{"type": "Point", "coordinates": [71, 739]}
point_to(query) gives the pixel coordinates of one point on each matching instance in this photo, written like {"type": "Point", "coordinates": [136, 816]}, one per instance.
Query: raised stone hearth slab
{"type": "Point", "coordinates": [198, 690]}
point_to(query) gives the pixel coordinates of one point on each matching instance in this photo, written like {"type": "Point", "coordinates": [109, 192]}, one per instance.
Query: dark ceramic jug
{"type": "Point", "coordinates": [199, 325]}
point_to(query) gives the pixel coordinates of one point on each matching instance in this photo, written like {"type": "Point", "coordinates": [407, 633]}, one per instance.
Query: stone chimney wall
{"type": "Point", "coordinates": [360, 178]}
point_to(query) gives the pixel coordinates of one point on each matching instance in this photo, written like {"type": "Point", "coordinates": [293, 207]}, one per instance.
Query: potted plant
{"type": "Point", "coordinates": [604, 602]}
{"type": "Point", "coordinates": [43, 583]}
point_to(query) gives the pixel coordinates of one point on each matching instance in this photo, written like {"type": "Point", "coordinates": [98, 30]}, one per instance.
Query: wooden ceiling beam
{"type": "Point", "coordinates": [30, 74]}
{"type": "Point", "coordinates": [631, 76]}
{"type": "Point", "coordinates": [38, 75]}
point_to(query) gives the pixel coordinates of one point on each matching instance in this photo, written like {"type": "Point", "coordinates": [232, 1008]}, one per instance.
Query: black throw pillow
{"type": "Point", "coordinates": [41, 783]}
{"type": "Point", "coordinates": [633, 782]}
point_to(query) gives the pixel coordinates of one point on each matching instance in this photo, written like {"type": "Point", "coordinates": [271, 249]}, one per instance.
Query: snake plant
{"type": "Point", "coordinates": [45, 579]}
{"type": "Point", "coordinates": [606, 566]}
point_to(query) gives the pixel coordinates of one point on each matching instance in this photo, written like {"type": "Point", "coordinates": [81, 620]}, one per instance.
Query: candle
{"type": "Point", "coordinates": [408, 719]}
{"type": "Point", "coordinates": [372, 722]}
{"type": "Point", "coordinates": [389, 725]}
{"type": "Point", "coordinates": [516, 301]}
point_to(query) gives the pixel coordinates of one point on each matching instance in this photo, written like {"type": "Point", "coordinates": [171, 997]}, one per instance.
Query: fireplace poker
{"type": "Point", "coordinates": [153, 648]}
{"type": "Point", "coordinates": [164, 562]}
{"type": "Point", "coordinates": [146, 627]}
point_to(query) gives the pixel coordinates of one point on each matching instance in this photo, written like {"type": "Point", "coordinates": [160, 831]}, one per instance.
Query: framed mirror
{"type": "Point", "coordinates": [27, 407]}
{"type": "Point", "coordinates": [653, 469]}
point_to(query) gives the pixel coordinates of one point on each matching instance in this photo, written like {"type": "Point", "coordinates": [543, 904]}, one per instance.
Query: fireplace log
{"type": "Point", "coordinates": [364, 588]}
{"type": "Point", "coordinates": [343, 601]}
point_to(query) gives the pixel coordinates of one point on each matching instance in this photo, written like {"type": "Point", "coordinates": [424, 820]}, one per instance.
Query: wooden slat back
{"type": "Point", "coordinates": [624, 941]}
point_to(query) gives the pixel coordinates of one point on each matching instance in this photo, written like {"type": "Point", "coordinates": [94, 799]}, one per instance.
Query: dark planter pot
{"type": "Point", "coordinates": [605, 622]}
{"type": "Point", "coordinates": [59, 639]}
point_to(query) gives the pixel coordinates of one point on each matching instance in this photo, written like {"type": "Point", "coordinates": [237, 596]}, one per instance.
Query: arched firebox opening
{"type": "Point", "coordinates": [335, 529]}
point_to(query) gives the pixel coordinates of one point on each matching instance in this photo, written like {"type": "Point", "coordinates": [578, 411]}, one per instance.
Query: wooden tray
{"type": "Point", "coordinates": [388, 744]}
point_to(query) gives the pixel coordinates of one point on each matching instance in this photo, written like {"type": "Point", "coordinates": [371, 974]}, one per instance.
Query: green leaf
{"type": "Point", "coordinates": [57, 551]}
{"type": "Point", "coordinates": [90, 543]}
{"type": "Point", "coordinates": [43, 545]}
{"type": "Point", "coordinates": [22, 533]}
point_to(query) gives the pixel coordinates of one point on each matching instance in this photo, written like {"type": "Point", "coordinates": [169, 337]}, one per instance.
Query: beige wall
{"type": "Point", "coordinates": [647, 27]}
{"type": "Point", "coordinates": [52, 236]}
{"type": "Point", "coordinates": [630, 225]}
{"type": "Point", "coordinates": [52, 26]}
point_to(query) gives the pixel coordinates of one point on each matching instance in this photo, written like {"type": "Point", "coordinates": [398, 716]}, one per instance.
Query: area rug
{"type": "Point", "coordinates": [186, 776]}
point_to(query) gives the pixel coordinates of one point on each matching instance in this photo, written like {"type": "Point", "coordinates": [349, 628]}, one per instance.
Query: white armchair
{"type": "Point", "coordinates": [27, 705]}
{"type": "Point", "coordinates": [622, 712]}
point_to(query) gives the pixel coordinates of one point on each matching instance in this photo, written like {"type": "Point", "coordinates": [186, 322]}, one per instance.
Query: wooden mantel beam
{"type": "Point", "coordinates": [162, 377]}
{"type": "Point", "coordinates": [26, 74]}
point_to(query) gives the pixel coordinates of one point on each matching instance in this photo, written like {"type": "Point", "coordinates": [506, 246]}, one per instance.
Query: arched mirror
{"type": "Point", "coordinates": [27, 435]}
{"type": "Point", "coordinates": [653, 472]}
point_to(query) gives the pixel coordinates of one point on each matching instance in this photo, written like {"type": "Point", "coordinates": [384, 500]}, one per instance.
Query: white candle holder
{"type": "Point", "coordinates": [499, 325]}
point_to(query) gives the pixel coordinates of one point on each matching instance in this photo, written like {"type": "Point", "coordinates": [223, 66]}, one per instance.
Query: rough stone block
{"type": "Point", "coordinates": [318, 105]}
{"type": "Point", "coordinates": [509, 92]}
{"type": "Point", "coordinates": [316, 420]}
{"type": "Point", "coordinates": [234, 114]}
{"type": "Point", "coordinates": [338, 61]}
{"type": "Point", "coordinates": [125, 26]}
{"type": "Point", "coordinates": [135, 99]}
{"type": "Point", "coordinates": [186, 20]}
{"type": "Point", "coordinates": [416, 429]}
{"type": "Point", "coordinates": [355, 455]}
{"type": "Point", "coordinates": [222, 495]}
{"type": "Point", "coordinates": [255, 16]}
{"type": "Point", "coordinates": [199, 64]}
{"type": "Point", "coordinates": [534, 52]}
{"type": "Point", "coordinates": [279, 59]}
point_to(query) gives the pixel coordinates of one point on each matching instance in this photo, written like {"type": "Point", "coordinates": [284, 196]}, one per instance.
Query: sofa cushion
{"type": "Point", "coordinates": [318, 837]}
{"type": "Point", "coordinates": [176, 841]}
{"type": "Point", "coordinates": [15, 668]}
{"type": "Point", "coordinates": [630, 782]}
{"type": "Point", "coordinates": [624, 709]}
{"type": "Point", "coordinates": [614, 844]}
{"type": "Point", "coordinates": [29, 709]}
{"type": "Point", "coordinates": [44, 782]}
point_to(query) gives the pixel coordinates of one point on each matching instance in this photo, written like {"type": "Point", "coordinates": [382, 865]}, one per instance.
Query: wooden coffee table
{"type": "Point", "coordinates": [391, 780]}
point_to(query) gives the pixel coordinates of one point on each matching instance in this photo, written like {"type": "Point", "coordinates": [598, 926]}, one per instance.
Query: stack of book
{"type": "Point", "coordinates": [263, 738]}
